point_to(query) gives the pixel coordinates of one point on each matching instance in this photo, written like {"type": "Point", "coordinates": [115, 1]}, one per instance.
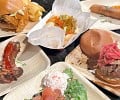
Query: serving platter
{"type": "Point", "coordinates": [31, 58]}
{"type": "Point", "coordinates": [77, 59]}
{"type": "Point", "coordinates": [31, 87]}
{"type": "Point", "coordinates": [102, 22]}
{"type": "Point", "coordinates": [10, 33]}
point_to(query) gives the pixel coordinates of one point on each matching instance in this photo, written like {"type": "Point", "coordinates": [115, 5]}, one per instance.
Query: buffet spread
{"type": "Point", "coordinates": [27, 71]}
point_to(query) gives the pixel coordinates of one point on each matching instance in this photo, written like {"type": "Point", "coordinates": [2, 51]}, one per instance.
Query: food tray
{"type": "Point", "coordinates": [28, 89]}
{"type": "Point", "coordinates": [31, 58]}
{"type": "Point", "coordinates": [103, 22]}
{"type": "Point", "coordinates": [77, 59]}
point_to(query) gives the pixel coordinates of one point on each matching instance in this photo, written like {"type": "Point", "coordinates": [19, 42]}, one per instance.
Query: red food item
{"type": "Point", "coordinates": [9, 72]}
{"type": "Point", "coordinates": [50, 94]}
{"type": "Point", "coordinates": [108, 54]}
{"type": "Point", "coordinates": [10, 55]}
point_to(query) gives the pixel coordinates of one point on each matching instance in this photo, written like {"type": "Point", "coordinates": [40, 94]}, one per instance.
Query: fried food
{"type": "Point", "coordinates": [15, 14]}
{"type": "Point", "coordinates": [18, 21]}
{"type": "Point", "coordinates": [35, 11]}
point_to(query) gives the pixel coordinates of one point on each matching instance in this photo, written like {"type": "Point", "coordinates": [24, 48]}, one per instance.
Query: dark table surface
{"type": "Point", "coordinates": [56, 56]}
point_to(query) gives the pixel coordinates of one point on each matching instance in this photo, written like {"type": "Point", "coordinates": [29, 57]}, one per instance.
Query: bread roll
{"type": "Point", "coordinates": [92, 41]}
{"type": "Point", "coordinates": [10, 6]}
{"type": "Point", "coordinates": [113, 12]}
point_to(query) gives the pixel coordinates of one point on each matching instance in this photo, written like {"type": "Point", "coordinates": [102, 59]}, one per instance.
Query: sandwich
{"type": "Point", "coordinates": [15, 14]}
{"type": "Point", "coordinates": [103, 55]}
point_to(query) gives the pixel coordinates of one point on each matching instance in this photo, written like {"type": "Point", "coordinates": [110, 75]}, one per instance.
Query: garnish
{"type": "Point", "coordinates": [20, 62]}
{"type": "Point", "coordinates": [69, 72]}
{"type": "Point", "coordinates": [108, 54]}
{"type": "Point", "coordinates": [75, 90]}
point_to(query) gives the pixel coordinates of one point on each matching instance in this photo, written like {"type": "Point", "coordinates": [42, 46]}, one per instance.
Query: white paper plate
{"type": "Point", "coordinates": [103, 22]}
{"type": "Point", "coordinates": [34, 60]}
{"type": "Point", "coordinates": [28, 89]}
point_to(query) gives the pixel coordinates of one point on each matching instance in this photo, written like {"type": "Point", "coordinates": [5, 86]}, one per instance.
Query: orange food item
{"type": "Point", "coordinates": [56, 20]}
{"type": "Point", "coordinates": [117, 6]}
{"type": "Point", "coordinates": [50, 94]}
{"type": "Point", "coordinates": [67, 23]}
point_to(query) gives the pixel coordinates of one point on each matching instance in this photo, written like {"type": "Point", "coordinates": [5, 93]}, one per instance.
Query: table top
{"type": "Point", "coordinates": [56, 56]}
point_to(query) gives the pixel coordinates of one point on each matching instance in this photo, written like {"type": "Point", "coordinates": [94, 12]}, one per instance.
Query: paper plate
{"type": "Point", "coordinates": [32, 60]}
{"type": "Point", "coordinates": [28, 89]}
{"type": "Point", "coordinates": [103, 22]}
{"type": "Point", "coordinates": [77, 59]}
